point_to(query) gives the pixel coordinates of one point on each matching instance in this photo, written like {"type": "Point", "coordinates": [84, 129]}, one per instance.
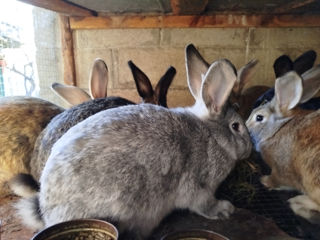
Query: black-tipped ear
{"type": "Point", "coordinates": [196, 68]}
{"type": "Point", "coordinates": [282, 65]}
{"type": "Point", "coordinates": [143, 83]}
{"type": "Point", "coordinates": [163, 85]}
{"type": "Point", "coordinates": [304, 62]}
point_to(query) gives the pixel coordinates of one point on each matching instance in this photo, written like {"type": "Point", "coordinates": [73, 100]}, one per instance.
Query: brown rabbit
{"type": "Point", "coordinates": [245, 98]}
{"type": "Point", "coordinates": [21, 121]}
{"type": "Point", "coordinates": [288, 139]}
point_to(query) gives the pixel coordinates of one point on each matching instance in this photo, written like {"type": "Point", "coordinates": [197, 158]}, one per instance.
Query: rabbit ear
{"type": "Point", "coordinates": [244, 75]}
{"type": "Point", "coordinates": [71, 94]}
{"type": "Point", "coordinates": [143, 83]}
{"type": "Point", "coordinates": [98, 79]}
{"type": "Point", "coordinates": [196, 69]}
{"type": "Point", "coordinates": [163, 86]}
{"type": "Point", "coordinates": [311, 83]}
{"type": "Point", "coordinates": [282, 65]}
{"type": "Point", "coordinates": [218, 84]}
{"type": "Point", "coordinates": [304, 62]}
{"type": "Point", "coordinates": [288, 91]}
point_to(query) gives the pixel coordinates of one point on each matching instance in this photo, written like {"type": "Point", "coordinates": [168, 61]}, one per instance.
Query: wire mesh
{"type": "Point", "coordinates": [244, 190]}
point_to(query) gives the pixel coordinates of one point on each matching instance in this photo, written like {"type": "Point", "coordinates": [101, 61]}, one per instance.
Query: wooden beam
{"type": "Point", "coordinates": [69, 72]}
{"type": "Point", "coordinates": [62, 7]}
{"type": "Point", "coordinates": [292, 5]}
{"type": "Point", "coordinates": [188, 7]}
{"type": "Point", "coordinates": [215, 21]}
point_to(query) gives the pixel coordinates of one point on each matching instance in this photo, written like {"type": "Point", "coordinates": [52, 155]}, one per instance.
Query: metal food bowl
{"type": "Point", "coordinates": [81, 229]}
{"type": "Point", "coordinates": [194, 235]}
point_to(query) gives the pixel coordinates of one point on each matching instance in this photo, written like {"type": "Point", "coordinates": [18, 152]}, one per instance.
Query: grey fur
{"type": "Point", "coordinates": [140, 162]}
{"type": "Point", "coordinates": [62, 123]}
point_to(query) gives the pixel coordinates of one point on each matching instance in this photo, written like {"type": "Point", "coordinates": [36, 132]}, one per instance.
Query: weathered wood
{"type": "Point", "coordinates": [215, 21]}
{"type": "Point", "coordinates": [69, 72]}
{"type": "Point", "coordinates": [62, 7]}
{"type": "Point", "coordinates": [185, 7]}
{"type": "Point", "coordinates": [292, 5]}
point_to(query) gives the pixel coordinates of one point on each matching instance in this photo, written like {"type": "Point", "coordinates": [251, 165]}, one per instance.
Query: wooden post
{"type": "Point", "coordinates": [69, 73]}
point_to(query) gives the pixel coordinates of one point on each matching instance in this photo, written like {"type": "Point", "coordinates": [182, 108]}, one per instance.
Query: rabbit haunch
{"type": "Point", "coordinates": [21, 121]}
{"type": "Point", "coordinates": [143, 161]}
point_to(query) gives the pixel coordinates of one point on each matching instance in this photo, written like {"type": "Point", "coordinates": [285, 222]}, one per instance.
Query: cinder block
{"type": "Point", "coordinates": [154, 62]}
{"type": "Point", "coordinates": [236, 56]}
{"type": "Point", "coordinates": [257, 37]}
{"type": "Point", "coordinates": [113, 38]}
{"type": "Point", "coordinates": [175, 98]}
{"type": "Point", "coordinates": [84, 59]}
{"type": "Point", "coordinates": [205, 37]}
{"type": "Point", "coordinates": [179, 98]}
{"type": "Point", "coordinates": [130, 94]}
{"type": "Point", "coordinates": [293, 37]}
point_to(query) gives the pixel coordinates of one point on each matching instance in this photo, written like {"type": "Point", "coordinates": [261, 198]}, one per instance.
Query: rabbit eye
{"type": "Point", "coordinates": [235, 126]}
{"type": "Point", "coordinates": [259, 118]}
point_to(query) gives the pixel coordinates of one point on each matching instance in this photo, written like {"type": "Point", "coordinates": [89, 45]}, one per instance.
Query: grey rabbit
{"type": "Point", "coordinates": [137, 163]}
{"type": "Point", "coordinates": [26, 185]}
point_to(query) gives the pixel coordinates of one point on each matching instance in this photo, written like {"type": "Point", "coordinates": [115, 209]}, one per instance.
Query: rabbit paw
{"type": "Point", "coordinates": [305, 207]}
{"type": "Point", "coordinates": [222, 210]}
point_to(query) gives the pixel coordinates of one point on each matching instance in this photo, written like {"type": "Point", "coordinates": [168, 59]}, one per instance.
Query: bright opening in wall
{"type": "Point", "coordinates": [18, 69]}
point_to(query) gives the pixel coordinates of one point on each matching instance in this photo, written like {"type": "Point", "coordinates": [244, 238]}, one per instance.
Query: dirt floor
{"type": "Point", "coordinates": [11, 227]}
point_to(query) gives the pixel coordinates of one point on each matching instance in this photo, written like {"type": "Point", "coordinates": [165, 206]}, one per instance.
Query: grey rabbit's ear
{"type": "Point", "coordinates": [244, 75]}
{"type": "Point", "coordinates": [71, 94]}
{"type": "Point", "coordinates": [163, 85]}
{"type": "Point", "coordinates": [304, 62]}
{"type": "Point", "coordinates": [98, 80]}
{"type": "Point", "coordinates": [218, 84]}
{"type": "Point", "coordinates": [196, 68]}
{"type": "Point", "coordinates": [288, 91]}
{"type": "Point", "coordinates": [311, 83]}
{"type": "Point", "coordinates": [143, 83]}
{"type": "Point", "coordinates": [282, 65]}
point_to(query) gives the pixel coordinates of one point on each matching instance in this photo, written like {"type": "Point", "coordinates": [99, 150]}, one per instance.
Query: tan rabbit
{"type": "Point", "coordinates": [288, 139]}
{"type": "Point", "coordinates": [21, 121]}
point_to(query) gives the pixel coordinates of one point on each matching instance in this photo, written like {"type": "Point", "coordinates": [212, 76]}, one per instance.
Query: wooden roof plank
{"type": "Point", "coordinates": [185, 7]}
{"type": "Point", "coordinates": [292, 5]}
{"type": "Point", "coordinates": [214, 21]}
{"type": "Point", "coordinates": [61, 7]}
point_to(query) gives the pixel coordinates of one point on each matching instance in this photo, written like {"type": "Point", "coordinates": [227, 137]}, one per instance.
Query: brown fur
{"type": "Point", "coordinates": [21, 121]}
{"type": "Point", "coordinates": [297, 163]}
{"type": "Point", "coordinates": [247, 98]}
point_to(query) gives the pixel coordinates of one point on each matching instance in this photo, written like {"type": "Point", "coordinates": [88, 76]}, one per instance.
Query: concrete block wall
{"type": "Point", "coordinates": [154, 50]}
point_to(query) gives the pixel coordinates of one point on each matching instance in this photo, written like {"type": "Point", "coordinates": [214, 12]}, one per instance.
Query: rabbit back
{"type": "Point", "coordinates": [138, 173]}
{"type": "Point", "coordinates": [21, 119]}
{"type": "Point", "coordinates": [62, 123]}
